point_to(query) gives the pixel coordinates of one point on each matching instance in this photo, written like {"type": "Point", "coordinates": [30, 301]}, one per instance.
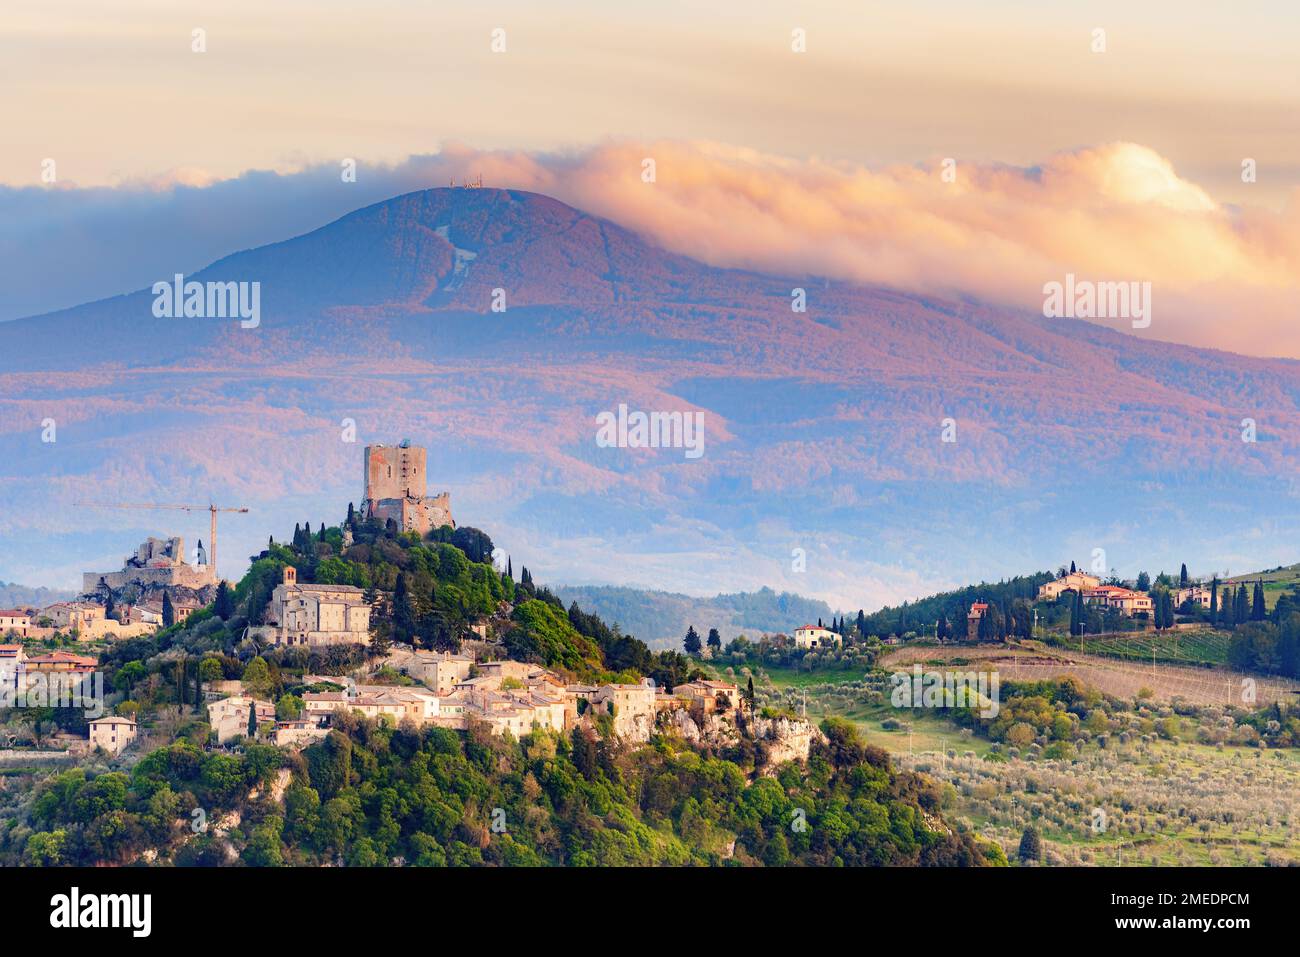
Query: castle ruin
{"type": "Point", "coordinates": [156, 562]}
{"type": "Point", "coordinates": [397, 488]}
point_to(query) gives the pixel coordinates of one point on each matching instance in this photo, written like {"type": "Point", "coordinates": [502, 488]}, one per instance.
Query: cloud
{"type": "Point", "coordinates": [1223, 277]}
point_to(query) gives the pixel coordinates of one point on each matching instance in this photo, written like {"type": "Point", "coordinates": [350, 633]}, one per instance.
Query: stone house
{"type": "Point", "coordinates": [112, 733]}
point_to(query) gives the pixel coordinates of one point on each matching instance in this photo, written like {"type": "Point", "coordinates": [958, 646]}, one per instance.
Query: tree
{"type": "Point", "coordinates": [749, 694]}
{"type": "Point", "coordinates": [108, 604]}
{"type": "Point", "coordinates": [1182, 577]}
{"type": "Point", "coordinates": [257, 678]}
{"type": "Point", "coordinates": [714, 641]}
{"type": "Point", "coordinates": [168, 612]}
{"type": "Point", "coordinates": [224, 606]}
{"type": "Point", "coordinates": [1143, 581]}
{"type": "Point", "coordinates": [1072, 568]}
{"type": "Point", "coordinates": [1031, 847]}
{"type": "Point", "coordinates": [1076, 614]}
{"type": "Point", "coordinates": [404, 614]}
{"type": "Point", "coordinates": [941, 628]}
{"type": "Point", "coordinates": [1257, 612]}
{"type": "Point", "coordinates": [126, 677]}
{"type": "Point", "coordinates": [691, 643]}
{"type": "Point", "coordinates": [252, 719]}
{"type": "Point", "coordinates": [1214, 602]}
{"type": "Point", "coordinates": [352, 516]}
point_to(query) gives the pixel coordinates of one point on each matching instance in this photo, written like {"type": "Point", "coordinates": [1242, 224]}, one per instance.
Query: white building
{"type": "Point", "coordinates": [815, 636]}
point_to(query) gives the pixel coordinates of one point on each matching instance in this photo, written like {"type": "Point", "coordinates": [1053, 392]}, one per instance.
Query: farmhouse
{"type": "Point", "coordinates": [229, 716]}
{"type": "Point", "coordinates": [1124, 599]}
{"type": "Point", "coordinates": [815, 636]}
{"type": "Point", "coordinates": [112, 734]}
{"type": "Point", "coordinates": [1074, 581]}
{"type": "Point", "coordinates": [15, 621]}
{"type": "Point", "coordinates": [1196, 594]}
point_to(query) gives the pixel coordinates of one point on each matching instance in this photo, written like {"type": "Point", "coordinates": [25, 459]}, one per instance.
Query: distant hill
{"type": "Point", "coordinates": [21, 596]}
{"type": "Point", "coordinates": [660, 618]}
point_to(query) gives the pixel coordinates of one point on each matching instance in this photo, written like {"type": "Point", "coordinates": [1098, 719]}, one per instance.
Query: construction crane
{"type": "Point", "coordinates": [210, 509]}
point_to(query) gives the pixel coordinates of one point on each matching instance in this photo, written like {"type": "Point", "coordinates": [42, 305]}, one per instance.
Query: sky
{"type": "Point", "coordinates": [1118, 165]}
{"type": "Point", "coordinates": [1099, 139]}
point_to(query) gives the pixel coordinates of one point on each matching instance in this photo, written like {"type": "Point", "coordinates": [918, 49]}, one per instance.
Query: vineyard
{"type": "Point", "coordinates": [1204, 647]}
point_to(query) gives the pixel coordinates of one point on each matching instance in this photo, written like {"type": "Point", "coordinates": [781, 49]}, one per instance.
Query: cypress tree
{"type": "Point", "coordinates": [691, 643]}
{"type": "Point", "coordinates": [168, 612]}
{"type": "Point", "coordinates": [1214, 602]}
{"type": "Point", "coordinates": [1257, 612]}
{"type": "Point", "coordinates": [224, 606]}
{"type": "Point", "coordinates": [1031, 846]}
{"type": "Point", "coordinates": [252, 719]}
{"type": "Point", "coordinates": [1182, 577]}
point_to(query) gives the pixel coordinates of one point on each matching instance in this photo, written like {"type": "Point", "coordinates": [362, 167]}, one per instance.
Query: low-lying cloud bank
{"type": "Point", "coordinates": [1220, 276]}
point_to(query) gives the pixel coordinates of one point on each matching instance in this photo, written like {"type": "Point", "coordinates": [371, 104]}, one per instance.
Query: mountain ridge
{"type": "Point", "coordinates": [824, 428]}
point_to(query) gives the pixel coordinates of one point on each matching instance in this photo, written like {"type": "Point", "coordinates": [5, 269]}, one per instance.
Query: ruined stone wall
{"type": "Point", "coordinates": [187, 576]}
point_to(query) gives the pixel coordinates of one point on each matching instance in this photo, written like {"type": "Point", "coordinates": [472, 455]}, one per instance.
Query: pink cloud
{"type": "Point", "coordinates": [1221, 277]}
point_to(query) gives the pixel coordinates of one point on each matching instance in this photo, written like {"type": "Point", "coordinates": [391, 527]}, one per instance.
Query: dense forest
{"type": "Point", "coordinates": [950, 608]}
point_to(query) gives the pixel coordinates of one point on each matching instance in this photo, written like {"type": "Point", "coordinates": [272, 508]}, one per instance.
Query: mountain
{"type": "Point", "coordinates": [13, 595]}
{"type": "Point", "coordinates": [824, 470]}
{"type": "Point", "coordinates": [660, 618]}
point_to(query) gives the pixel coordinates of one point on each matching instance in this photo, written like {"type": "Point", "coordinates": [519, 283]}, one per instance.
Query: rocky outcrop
{"type": "Point", "coordinates": [781, 739]}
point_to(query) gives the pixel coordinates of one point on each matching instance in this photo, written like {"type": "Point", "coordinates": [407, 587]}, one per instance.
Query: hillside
{"type": "Point", "coordinates": [660, 619]}
{"type": "Point", "coordinates": [372, 793]}
{"type": "Point", "coordinates": [822, 428]}
{"type": "Point", "coordinates": [13, 595]}
{"type": "Point", "coordinates": [371, 796]}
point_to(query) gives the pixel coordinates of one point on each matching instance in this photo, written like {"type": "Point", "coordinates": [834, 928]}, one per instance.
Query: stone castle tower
{"type": "Point", "coordinates": [397, 488]}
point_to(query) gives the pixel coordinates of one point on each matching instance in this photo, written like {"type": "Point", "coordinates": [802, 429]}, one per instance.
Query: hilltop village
{"type": "Point", "coordinates": [454, 660]}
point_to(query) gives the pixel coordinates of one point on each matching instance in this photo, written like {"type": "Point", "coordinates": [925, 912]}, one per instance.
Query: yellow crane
{"type": "Point", "coordinates": [210, 509]}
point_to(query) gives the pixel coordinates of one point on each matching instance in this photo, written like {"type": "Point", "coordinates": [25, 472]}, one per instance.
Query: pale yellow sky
{"type": "Point", "coordinates": [113, 93]}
